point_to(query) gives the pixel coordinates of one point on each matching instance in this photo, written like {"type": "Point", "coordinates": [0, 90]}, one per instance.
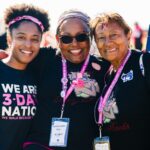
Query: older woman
{"type": "Point", "coordinates": [69, 88]}
{"type": "Point", "coordinates": [124, 103]}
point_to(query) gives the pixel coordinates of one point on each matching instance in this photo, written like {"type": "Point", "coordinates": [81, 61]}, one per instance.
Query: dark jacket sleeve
{"type": "Point", "coordinates": [39, 64]}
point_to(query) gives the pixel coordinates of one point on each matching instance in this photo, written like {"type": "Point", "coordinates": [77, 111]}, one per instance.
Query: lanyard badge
{"type": "Point", "coordinates": [101, 143]}
{"type": "Point", "coordinates": [60, 126]}
{"type": "Point", "coordinates": [59, 132]}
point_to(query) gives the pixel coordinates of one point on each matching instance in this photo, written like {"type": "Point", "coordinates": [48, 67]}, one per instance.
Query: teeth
{"type": "Point", "coordinates": [26, 52]}
{"type": "Point", "coordinates": [111, 50]}
{"type": "Point", "coordinates": [75, 51]}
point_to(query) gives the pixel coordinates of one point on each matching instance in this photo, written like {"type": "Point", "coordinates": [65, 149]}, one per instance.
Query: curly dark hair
{"type": "Point", "coordinates": [24, 9]}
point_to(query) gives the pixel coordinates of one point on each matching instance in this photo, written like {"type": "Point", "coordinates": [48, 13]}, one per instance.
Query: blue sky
{"type": "Point", "coordinates": [131, 10]}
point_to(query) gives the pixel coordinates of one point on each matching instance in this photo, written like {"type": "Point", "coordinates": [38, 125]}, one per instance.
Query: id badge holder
{"type": "Point", "coordinates": [59, 132]}
{"type": "Point", "coordinates": [101, 142]}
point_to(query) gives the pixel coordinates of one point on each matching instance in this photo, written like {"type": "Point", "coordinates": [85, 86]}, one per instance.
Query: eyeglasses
{"type": "Point", "coordinates": [66, 39]}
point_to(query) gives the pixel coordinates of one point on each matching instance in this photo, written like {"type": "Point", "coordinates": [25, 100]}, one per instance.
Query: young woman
{"type": "Point", "coordinates": [18, 89]}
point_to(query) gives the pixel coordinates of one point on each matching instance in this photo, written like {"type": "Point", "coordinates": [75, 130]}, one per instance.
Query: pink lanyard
{"type": "Point", "coordinates": [102, 101]}
{"type": "Point", "coordinates": [65, 93]}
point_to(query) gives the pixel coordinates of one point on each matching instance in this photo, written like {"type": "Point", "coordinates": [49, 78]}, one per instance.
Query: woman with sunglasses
{"type": "Point", "coordinates": [69, 88]}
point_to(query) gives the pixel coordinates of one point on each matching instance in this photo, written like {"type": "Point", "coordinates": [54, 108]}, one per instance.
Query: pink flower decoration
{"type": "Point", "coordinates": [79, 83]}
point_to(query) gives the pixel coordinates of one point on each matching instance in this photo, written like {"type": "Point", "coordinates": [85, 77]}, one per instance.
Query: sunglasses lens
{"type": "Point", "coordinates": [79, 38]}
{"type": "Point", "coordinates": [82, 37]}
{"type": "Point", "coordinates": [66, 39]}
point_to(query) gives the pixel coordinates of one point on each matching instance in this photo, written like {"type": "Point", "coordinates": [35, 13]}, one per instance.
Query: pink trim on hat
{"type": "Point", "coordinates": [31, 18]}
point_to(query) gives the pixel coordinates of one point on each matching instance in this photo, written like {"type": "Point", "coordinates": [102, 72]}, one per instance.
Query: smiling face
{"type": "Point", "coordinates": [112, 42]}
{"type": "Point", "coordinates": [24, 43]}
{"type": "Point", "coordinates": [75, 51]}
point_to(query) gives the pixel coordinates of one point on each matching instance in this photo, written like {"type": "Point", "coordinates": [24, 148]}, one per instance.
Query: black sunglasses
{"type": "Point", "coordinates": [66, 39]}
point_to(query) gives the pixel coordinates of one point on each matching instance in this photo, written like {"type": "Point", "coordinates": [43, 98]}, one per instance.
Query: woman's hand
{"type": "Point", "coordinates": [3, 54]}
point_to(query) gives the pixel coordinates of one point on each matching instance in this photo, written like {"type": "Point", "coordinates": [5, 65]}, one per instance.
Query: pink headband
{"type": "Point", "coordinates": [31, 18]}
